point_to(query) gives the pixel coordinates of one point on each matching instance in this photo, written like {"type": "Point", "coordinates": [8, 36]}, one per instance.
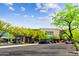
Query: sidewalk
{"type": "Point", "coordinates": [17, 45]}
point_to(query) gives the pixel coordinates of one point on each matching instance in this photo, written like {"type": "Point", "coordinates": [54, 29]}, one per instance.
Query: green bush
{"type": "Point", "coordinates": [56, 36]}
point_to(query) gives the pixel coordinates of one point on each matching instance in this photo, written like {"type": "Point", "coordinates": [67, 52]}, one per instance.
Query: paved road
{"type": "Point", "coordinates": [39, 50]}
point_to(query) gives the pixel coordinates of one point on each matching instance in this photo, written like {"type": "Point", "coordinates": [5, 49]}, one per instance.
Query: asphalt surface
{"type": "Point", "coordinates": [39, 50]}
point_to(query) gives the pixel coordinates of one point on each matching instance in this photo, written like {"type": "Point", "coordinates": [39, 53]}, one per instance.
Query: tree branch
{"type": "Point", "coordinates": [75, 28]}
{"type": "Point", "coordinates": [66, 21]}
{"type": "Point", "coordinates": [67, 34]}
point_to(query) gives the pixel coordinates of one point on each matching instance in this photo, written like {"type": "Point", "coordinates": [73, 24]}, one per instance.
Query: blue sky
{"type": "Point", "coordinates": [29, 15]}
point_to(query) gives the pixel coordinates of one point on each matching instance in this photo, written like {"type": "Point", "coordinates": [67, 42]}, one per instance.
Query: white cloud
{"type": "Point", "coordinates": [75, 4]}
{"type": "Point", "coordinates": [32, 16]}
{"type": "Point", "coordinates": [46, 6]}
{"type": "Point", "coordinates": [51, 5]}
{"type": "Point", "coordinates": [23, 9]}
{"type": "Point", "coordinates": [9, 4]}
{"type": "Point", "coordinates": [29, 16]}
{"type": "Point", "coordinates": [38, 5]}
{"type": "Point", "coordinates": [11, 8]}
{"type": "Point", "coordinates": [16, 14]}
{"type": "Point", "coordinates": [43, 10]}
{"type": "Point", "coordinates": [43, 18]}
{"type": "Point", "coordinates": [51, 14]}
{"type": "Point", "coordinates": [25, 15]}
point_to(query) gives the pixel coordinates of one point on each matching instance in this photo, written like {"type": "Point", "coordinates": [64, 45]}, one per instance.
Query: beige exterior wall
{"type": "Point", "coordinates": [55, 31]}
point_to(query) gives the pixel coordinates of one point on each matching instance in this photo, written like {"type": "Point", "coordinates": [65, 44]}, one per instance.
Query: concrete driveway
{"type": "Point", "coordinates": [39, 50]}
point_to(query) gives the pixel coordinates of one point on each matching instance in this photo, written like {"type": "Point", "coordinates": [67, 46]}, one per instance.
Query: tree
{"type": "Point", "coordinates": [24, 34]}
{"type": "Point", "coordinates": [68, 19]}
{"type": "Point", "coordinates": [3, 27]}
{"type": "Point", "coordinates": [2, 24]}
{"type": "Point", "coordinates": [43, 35]}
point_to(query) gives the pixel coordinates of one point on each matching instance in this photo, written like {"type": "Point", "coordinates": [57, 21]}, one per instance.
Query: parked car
{"type": "Point", "coordinates": [1, 35]}
{"type": "Point", "coordinates": [44, 42]}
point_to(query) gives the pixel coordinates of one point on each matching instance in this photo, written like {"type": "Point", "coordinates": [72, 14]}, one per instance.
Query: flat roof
{"type": "Point", "coordinates": [50, 28]}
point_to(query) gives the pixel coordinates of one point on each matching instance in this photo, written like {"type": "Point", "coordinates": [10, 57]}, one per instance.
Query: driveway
{"type": "Point", "coordinates": [39, 50]}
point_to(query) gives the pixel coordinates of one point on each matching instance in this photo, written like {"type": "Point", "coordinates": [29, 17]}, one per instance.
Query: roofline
{"type": "Point", "coordinates": [51, 28]}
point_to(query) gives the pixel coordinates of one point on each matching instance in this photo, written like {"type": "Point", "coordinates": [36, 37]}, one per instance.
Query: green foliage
{"type": "Point", "coordinates": [43, 35]}
{"type": "Point", "coordinates": [76, 46]}
{"type": "Point", "coordinates": [69, 14]}
{"type": "Point", "coordinates": [4, 25]}
{"type": "Point", "coordinates": [55, 37]}
{"type": "Point", "coordinates": [15, 31]}
{"type": "Point", "coordinates": [0, 31]}
{"type": "Point", "coordinates": [11, 36]}
{"type": "Point", "coordinates": [65, 35]}
{"type": "Point", "coordinates": [75, 35]}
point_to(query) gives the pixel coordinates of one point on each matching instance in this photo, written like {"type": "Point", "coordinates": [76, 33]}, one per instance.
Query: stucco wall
{"type": "Point", "coordinates": [55, 31]}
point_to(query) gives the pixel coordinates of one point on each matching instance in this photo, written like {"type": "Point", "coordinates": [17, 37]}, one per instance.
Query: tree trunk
{"type": "Point", "coordinates": [28, 40]}
{"type": "Point", "coordinates": [24, 39]}
{"type": "Point", "coordinates": [71, 38]}
{"type": "Point", "coordinates": [71, 35]}
{"type": "Point", "coordinates": [76, 46]}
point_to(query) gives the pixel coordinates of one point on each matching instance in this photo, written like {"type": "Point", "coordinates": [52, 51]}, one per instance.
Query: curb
{"type": "Point", "coordinates": [17, 45]}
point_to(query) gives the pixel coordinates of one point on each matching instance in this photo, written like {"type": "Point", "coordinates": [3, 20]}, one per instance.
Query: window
{"type": "Point", "coordinates": [49, 32]}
